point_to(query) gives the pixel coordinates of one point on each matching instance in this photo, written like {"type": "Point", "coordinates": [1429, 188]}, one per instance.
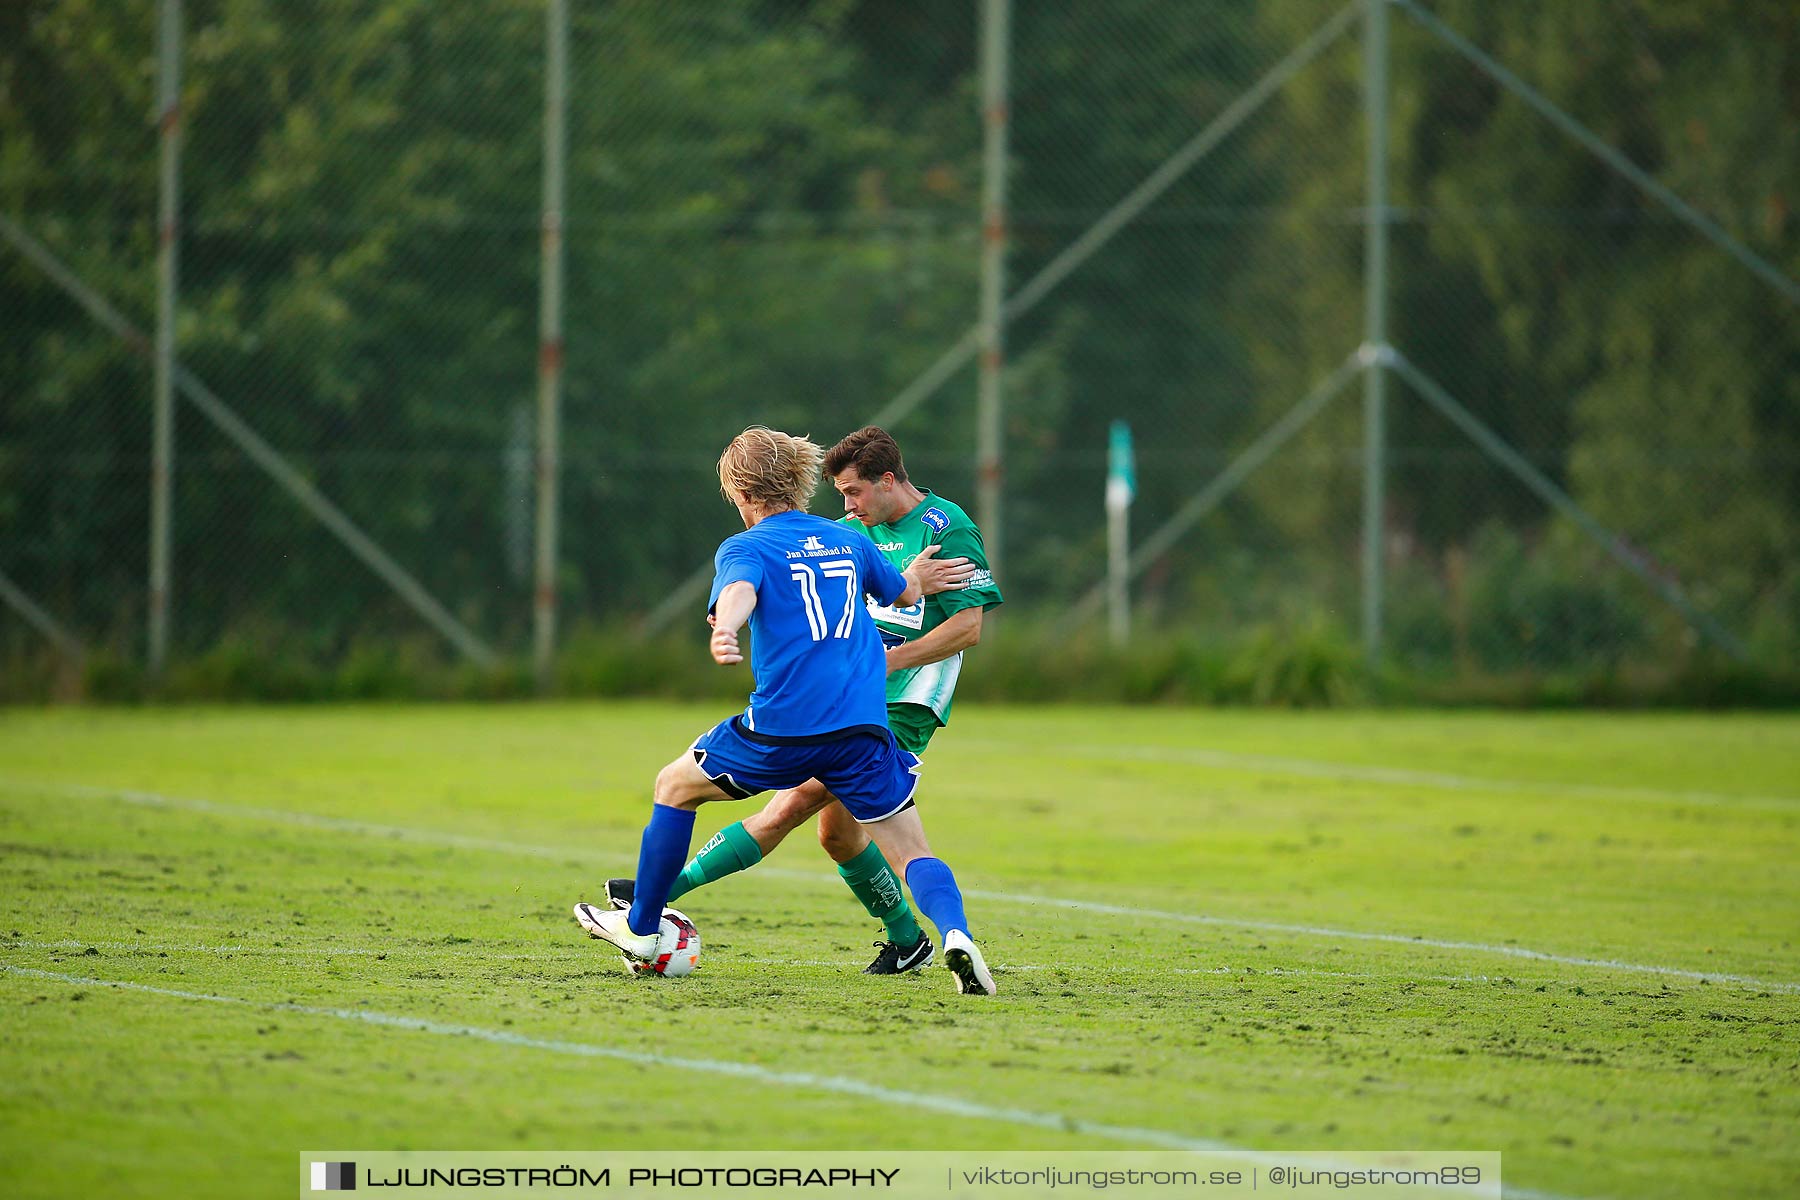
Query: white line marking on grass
{"type": "Point", "coordinates": [1395, 938]}
{"type": "Point", "coordinates": [432, 837]}
{"type": "Point", "coordinates": [400, 833]}
{"type": "Point", "coordinates": [848, 966]}
{"type": "Point", "coordinates": [948, 1105]}
{"type": "Point", "coordinates": [398, 951]}
{"type": "Point", "coordinates": [802, 1080]}
{"type": "Point", "coordinates": [1003, 968]}
{"type": "Point", "coordinates": [1362, 773]}
{"type": "Point", "coordinates": [559, 954]}
{"type": "Point", "coordinates": [163, 948]}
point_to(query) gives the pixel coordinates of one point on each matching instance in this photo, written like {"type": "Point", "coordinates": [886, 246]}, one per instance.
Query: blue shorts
{"type": "Point", "coordinates": [867, 769]}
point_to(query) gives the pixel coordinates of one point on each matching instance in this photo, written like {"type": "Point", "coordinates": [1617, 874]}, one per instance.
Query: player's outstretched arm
{"type": "Point", "coordinates": [934, 574]}
{"type": "Point", "coordinates": [734, 606]}
{"type": "Point", "coordinates": [959, 631]}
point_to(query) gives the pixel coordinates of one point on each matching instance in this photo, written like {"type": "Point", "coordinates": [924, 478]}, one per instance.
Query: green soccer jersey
{"type": "Point", "coordinates": [933, 522]}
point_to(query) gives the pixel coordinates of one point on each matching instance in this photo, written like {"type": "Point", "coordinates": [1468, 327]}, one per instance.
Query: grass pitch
{"type": "Point", "coordinates": [1569, 938]}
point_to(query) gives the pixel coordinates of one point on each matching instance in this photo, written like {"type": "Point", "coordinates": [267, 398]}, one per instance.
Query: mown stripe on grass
{"type": "Point", "coordinates": [947, 1105]}
{"type": "Point", "coordinates": [435, 837]}
{"type": "Point", "coordinates": [1195, 756]}
{"type": "Point", "coordinates": [406, 953]}
{"type": "Point", "coordinates": [1401, 939]}
{"type": "Point", "coordinates": [954, 1106]}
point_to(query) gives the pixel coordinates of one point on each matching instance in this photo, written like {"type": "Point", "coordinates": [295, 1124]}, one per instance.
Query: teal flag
{"type": "Point", "coordinates": [1121, 466]}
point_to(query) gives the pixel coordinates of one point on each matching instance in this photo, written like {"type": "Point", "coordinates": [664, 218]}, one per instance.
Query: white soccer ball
{"type": "Point", "coordinates": [677, 948]}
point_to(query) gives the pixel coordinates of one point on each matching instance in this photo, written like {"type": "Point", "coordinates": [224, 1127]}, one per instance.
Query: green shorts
{"type": "Point", "coordinates": [913, 725]}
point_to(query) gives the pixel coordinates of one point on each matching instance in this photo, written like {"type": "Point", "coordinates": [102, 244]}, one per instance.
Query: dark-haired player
{"type": "Point", "coordinates": [819, 708]}
{"type": "Point", "coordinates": [924, 639]}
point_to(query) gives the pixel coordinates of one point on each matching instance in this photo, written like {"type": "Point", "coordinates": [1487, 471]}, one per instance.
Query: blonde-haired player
{"type": "Point", "coordinates": [819, 708]}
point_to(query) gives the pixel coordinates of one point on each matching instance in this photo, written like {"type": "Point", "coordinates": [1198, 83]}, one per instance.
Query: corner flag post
{"type": "Point", "coordinates": [1121, 488]}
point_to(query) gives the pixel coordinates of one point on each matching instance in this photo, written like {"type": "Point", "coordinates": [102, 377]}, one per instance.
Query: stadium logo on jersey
{"type": "Point", "coordinates": [935, 518]}
{"type": "Point", "coordinates": [813, 543]}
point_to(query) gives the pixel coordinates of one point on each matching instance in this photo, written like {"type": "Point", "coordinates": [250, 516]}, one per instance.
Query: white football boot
{"type": "Point", "coordinates": [613, 925]}
{"type": "Point", "coordinates": [963, 957]}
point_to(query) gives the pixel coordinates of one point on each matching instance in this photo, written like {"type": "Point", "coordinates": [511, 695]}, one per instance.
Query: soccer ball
{"type": "Point", "coordinates": [677, 948]}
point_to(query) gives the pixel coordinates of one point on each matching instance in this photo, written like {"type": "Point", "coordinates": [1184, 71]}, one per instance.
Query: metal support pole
{"type": "Point", "coordinates": [255, 448]}
{"type": "Point", "coordinates": [550, 333]}
{"type": "Point", "coordinates": [1243, 466]}
{"type": "Point", "coordinates": [1217, 489]}
{"type": "Point", "coordinates": [1092, 240]}
{"type": "Point", "coordinates": [1631, 559]}
{"type": "Point", "coordinates": [1375, 295]}
{"type": "Point", "coordinates": [989, 442]}
{"type": "Point", "coordinates": [1708, 228]}
{"type": "Point", "coordinates": [16, 599]}
{"type": "Point", "coordinates": [162, 451]}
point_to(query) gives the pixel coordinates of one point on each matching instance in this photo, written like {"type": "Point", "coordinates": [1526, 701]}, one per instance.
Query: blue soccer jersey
{"type": "Point", "coordinates": [817, 658]}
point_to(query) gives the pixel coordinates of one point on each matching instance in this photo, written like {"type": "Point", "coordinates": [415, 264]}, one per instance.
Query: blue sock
{"type": "Point", "coordinates": [660, 856]}
{"type": "Point", "coordinates": [934, 891]}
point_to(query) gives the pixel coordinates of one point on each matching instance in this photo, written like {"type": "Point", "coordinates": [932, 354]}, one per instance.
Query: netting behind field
{"type": "Point", "coordinates": [773, 215]}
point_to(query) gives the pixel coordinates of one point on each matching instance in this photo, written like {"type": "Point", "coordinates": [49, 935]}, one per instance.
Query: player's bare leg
{"type": "Point", "coordinates": [681, 788]}
{"type": "Point", "coordinates": [861, 865]}
{"type": "Point", "coordinates": [738, 846]}
{"type": "Point", "coordinates": [870, 878]}
{"type": "Point", "coordinates": [901, 838]}
{"type": "Point", "coordinates": [788, 811]}
{"type": "Point", "coordinates": [840, 834]}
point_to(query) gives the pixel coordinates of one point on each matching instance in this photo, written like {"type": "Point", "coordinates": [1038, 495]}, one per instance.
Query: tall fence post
{"type": "Point", "coordinates": [1375, 297]}
{"type": "Point", "coordinates": [996, 17]}
{"type": "Point", "coordinates": [162, 450]}
{"type": "Point", "coordinates": [1066, 262]}
{"type": "Point", "coordinates": [255, 447]}
{"type": "Point", "coordinates": [15, 598]}
{"type": "Point", "coordinates": [550, 333]}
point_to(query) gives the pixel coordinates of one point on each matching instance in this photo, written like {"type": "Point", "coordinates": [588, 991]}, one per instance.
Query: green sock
{"type": "Point", "coordinates": [730, 850]}
{"type": "Point", "coordinates": [874, 883]}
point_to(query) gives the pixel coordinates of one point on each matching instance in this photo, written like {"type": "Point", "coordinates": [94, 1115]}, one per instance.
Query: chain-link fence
{"type": "Point", "coordinates": [1589, 455]}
